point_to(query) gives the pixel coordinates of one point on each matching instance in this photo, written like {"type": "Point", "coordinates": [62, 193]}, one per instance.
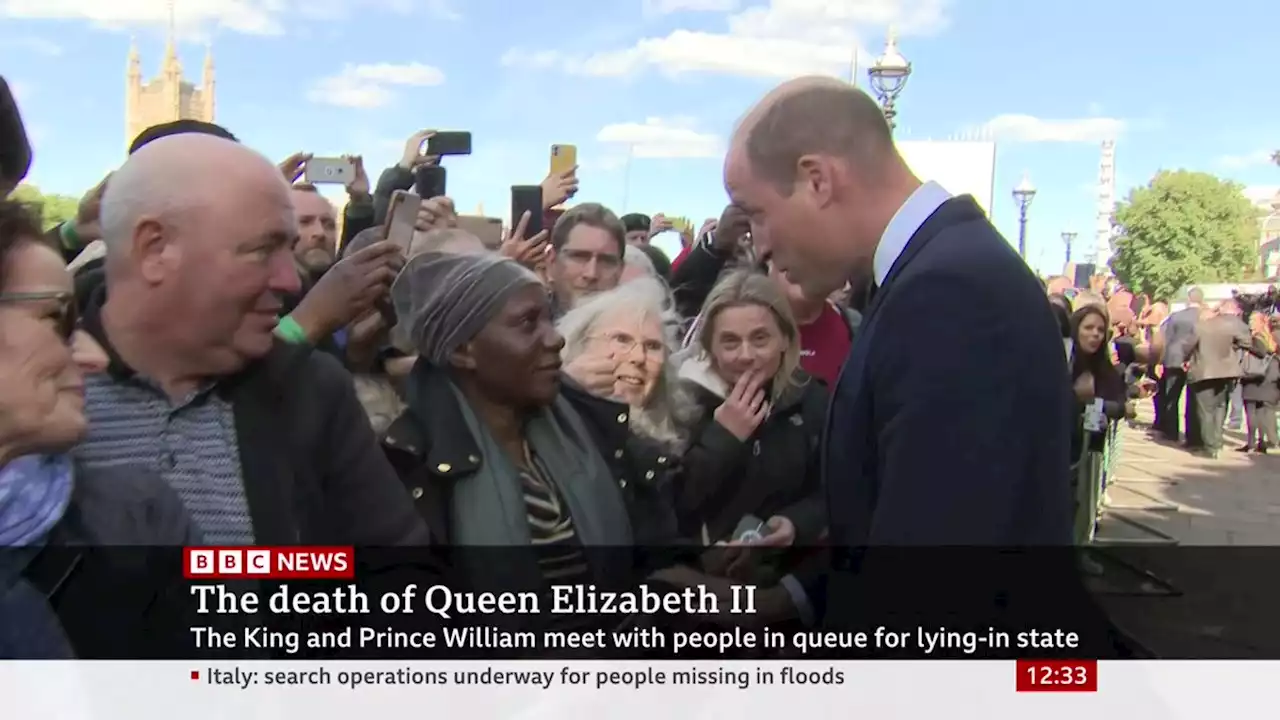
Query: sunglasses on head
{"type": "Point", "coordinates": [67, 319]}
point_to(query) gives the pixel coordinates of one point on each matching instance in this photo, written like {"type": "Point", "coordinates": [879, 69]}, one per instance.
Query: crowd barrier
{"type": "Point", "coordinates": [1095, 473]}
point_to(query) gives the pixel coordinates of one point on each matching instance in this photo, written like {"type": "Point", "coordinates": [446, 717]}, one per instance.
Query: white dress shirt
{"type": "Point", "coordinates": [914, 212]}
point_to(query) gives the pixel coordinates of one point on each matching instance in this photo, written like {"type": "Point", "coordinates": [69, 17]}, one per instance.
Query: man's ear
{"type": "Point", "coordinates": [464, 358]}
{"type": "Point", "coordinates": [153, 249]}
{"type": "Point", "coordinates": [816, 175]}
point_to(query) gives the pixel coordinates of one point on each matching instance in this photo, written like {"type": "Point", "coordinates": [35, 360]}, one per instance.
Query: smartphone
{"type": "Point", "coordinates": [449, 143]}
{"type": "Point", "coordinates": [488, 229]}
{"type": "Point", "coordinates": [15, 147]}
{"type": "Point", "coordinates": [527, 198]}
{"type": "Point", "coordinates": [429, 181]}
{"type": "Point", "coordinates": [329, 170]}
{"type": "Point", "coordinates": [563, 158]}
{"type": "Point", "coordinates": [402, 218]}
{"type": "Point", "coordinates": [750, 529]}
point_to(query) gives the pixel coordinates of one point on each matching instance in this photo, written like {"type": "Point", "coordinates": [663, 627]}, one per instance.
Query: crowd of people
{"type": "Point", "coordinates": [846, 357]}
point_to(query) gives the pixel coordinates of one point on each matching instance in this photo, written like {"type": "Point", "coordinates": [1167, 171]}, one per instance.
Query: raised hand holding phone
{"type": "Point", "coordinates": [526, 251]}
{"type": "Point", "coordinates": [293, 166]}
{"type": "Point", "coordinates": [436, 213]}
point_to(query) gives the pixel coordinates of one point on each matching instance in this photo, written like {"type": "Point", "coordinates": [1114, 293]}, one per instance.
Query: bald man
{"type": "Point", "coordinates": [265, 442]}
{"type": "Point", "coordinates": [951, 419]}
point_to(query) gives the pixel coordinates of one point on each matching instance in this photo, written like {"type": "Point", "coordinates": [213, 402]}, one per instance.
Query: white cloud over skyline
{"type": "Point", "coordinates": [371, 85]}
{"type": "Point", "coordinates": [662, 138]}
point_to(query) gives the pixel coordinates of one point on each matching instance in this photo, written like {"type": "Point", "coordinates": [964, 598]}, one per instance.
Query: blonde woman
{"type": "Point", "coordinates": [1260, 393]}
{"type": "Point", "coordinates": [752, 463]}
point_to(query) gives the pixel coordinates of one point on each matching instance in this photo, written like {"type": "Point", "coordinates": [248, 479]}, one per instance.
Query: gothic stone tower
{"type": "Point", "coordinates": [167, 97]}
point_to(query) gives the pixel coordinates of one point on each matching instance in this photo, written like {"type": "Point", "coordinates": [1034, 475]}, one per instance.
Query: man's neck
{"type": "Point", "coordinates": [807, 313]}
{"type": "Point", "coordinates": [140, 344]}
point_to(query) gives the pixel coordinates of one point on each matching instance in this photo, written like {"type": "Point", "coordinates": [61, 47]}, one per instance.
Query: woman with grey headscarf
{"type": "Point", "coordinates": [500, 450]}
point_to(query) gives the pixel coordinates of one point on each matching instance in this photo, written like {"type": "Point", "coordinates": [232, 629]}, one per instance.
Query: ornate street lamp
{"type": "Point", "coordinates": [1068, 238]}
{"type": "Point", "coordinates": [888, 76]}
{"type": "Point", "coordinates": [1023, 194]}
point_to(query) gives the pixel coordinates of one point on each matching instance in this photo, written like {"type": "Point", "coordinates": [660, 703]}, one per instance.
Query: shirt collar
{"type": "Point", "coordinates": [914, 212]}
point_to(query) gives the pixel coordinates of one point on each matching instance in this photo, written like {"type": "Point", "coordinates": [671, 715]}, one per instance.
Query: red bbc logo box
{"type": "Point", "coordinates": [279, 563]}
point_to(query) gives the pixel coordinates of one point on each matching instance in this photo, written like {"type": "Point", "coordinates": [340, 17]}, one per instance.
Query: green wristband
{"type": "Point", "coordinates": [291, 332]}
{"type": "Point", "coordinates": [70, 240]}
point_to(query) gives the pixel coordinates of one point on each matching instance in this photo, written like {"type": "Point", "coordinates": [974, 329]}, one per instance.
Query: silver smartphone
{"type": "Point", "coordinates": [750, 529]}
{"type": "Point", "coordinates": [329, 170]}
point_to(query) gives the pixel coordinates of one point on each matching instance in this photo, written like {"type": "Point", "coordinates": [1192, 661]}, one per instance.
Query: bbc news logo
{"type": "Point", "coordinates": [279, 563]}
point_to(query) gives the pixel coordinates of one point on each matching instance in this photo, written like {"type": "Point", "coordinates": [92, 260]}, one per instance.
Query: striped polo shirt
{"type": "Point", "coordinates": [191, 443]}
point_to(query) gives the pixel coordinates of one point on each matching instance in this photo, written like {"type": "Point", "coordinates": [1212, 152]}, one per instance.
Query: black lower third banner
{"type": "Point", "coordinates": [625, 603]}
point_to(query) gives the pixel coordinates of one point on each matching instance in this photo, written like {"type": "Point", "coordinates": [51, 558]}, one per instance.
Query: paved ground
{"type": "Point", "coordinates": [1216, 593]}
{"type": "Point", "coordinates": [1234, 500]}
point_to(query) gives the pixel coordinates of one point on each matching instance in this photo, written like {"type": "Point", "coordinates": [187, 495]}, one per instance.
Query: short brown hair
{"type": "Point", "coordinates": [592, 215]}
{"type": "Point", "coordinates": [19, 223]}
{"type": "Point", "coordinates": [831, 119]}
{"type": "Point", "coordinates": [305, 187]}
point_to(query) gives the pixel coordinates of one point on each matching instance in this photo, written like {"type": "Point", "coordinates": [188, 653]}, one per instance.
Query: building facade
{"type": "Point", "coordinates": [166, 97]}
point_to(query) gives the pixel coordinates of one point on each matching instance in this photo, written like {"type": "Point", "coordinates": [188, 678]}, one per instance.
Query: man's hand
{"type": "Point", "coordinates": [348, 290]}
{"type": "Point", "coordinates": [558, 187]}
{"type": "Point", "coordinates": [526, 251]}
{"type": "Point", "coordinates": [87, 224]}
{"type": "Point", "coordinates": [435, 214]}
{"type": "Point", "coordinates": [358, 188]}
{"type": "Point", "coordinates": [412, 158]}
{"type": "Point", "coordinates": [731, 229]}
{"type": "Point", "coordinates": [293, 166]}
{"type": "Point", "coordinates": [746, 407]}
{"type": "Point", "coordinates": [659, 224]}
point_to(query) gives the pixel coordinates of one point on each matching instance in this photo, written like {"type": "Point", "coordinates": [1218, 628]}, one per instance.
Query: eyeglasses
{"type": "Point", "coordinates": [67, 320]}
{"type": "Point", "coordinates": [622, 344]}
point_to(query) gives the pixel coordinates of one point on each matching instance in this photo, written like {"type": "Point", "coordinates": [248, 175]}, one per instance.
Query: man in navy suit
{"type": "Point", "coordinates": [951, 422]}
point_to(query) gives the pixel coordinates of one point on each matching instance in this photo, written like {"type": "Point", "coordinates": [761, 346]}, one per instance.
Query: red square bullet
{"type": "Point", "coordinates": [195, 674]}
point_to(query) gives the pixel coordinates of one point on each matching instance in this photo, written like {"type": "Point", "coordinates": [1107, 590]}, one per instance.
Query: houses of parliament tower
{"type": "Point", "coordinates": [167, 97]}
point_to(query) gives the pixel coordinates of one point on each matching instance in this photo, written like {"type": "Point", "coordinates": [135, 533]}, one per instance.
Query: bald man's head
{"type": "Point", "coordinates": [176, 175]}
{"type": "Point", "coordinates": [199, 233]}
{"type": "Point", "coordinates": [813, 116]}
{"type": "Point", "coordinates": [814, 167]}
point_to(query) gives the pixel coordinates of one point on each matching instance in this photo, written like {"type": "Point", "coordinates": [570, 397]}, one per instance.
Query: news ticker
{"type": "Point", "coordinates": [1045, 676]}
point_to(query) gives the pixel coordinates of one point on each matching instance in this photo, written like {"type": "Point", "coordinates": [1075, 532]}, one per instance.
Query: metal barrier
{"type": "Point", "coordinates": [1094, 474]}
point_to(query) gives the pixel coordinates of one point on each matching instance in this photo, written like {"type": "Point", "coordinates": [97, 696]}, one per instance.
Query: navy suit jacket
{"type": "Point", "coordinates": [951, 422]}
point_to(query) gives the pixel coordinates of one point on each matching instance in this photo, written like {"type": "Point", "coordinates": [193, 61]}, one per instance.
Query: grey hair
{"type": "Point", "coordinates": [636, 257]}
{"type": "Point", "coordinates": [670, 409]}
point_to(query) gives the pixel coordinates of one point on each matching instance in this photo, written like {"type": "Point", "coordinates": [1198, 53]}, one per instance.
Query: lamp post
{"type": "Point", "coordinates": [1068, 237]}
{"type": "Point", "coordinates": [888, 76]}
{"type": "Point", "coordinates": [1023, 194]}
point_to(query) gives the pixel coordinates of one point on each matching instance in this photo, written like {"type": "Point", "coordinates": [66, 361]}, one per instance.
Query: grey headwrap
{"type": "Point", "coordinates": [444, 300]}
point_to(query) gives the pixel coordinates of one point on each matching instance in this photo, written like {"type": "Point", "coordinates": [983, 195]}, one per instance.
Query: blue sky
{"type": "Point", "coordinates": [1176, 84]}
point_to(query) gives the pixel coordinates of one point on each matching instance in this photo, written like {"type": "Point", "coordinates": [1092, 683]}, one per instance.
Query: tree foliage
{"type": "Point", "coordinates": [1184, 227]}
{"type": "Point", "coordinates": [53, 209]}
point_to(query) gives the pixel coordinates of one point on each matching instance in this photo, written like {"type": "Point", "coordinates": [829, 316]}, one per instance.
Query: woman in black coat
{"type": "Point", "coordinates": [524, 480]}
{"type": "Point", "coordinates": [752, 465]}
{"type": "Point", "coordinates": [1261, 393]}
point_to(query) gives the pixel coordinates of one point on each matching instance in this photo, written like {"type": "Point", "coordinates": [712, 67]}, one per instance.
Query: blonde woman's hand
{"type": "Point", "coordinates": [745, 407]}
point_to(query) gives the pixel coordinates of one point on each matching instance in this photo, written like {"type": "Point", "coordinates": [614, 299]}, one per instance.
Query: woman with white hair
{"type": "Point", "coordinates": [618, 345]}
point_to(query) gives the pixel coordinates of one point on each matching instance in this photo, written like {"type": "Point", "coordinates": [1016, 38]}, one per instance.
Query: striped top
{"type": "Point", "coordinates": [551, 531]}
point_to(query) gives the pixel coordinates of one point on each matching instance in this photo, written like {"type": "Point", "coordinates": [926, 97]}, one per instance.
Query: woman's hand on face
{"type": "Point", "coordinates": [595, 373]}
{"type": "Point", "coordinates": [745, 407]}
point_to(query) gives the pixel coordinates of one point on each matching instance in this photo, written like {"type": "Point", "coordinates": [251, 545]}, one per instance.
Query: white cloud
{"type": "Point", "coordinates": [370, 86]}
{"type": "Point", "coordinates": [662, 138]}
{"type": "Point", "coordinates": [1030, 129]}
{"type": "Point", "coordinates": [253, 17]}
{"type": "Point", "coordinates": [1247, 160]}
{"type": "Point", "coordinates": [668, 7]}
{"type": "Point", "coordinates": [781, 40]}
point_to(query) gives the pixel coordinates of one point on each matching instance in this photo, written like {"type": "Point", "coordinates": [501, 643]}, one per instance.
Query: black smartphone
{"type": "Point", "coordinates": [527, 198]}
{"type": "Point", "coordinates": [15, 147]}
{"type": "Point", "coordinates": [449, 143]}
{"type": "Point", "coordinates": [429, 182]}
